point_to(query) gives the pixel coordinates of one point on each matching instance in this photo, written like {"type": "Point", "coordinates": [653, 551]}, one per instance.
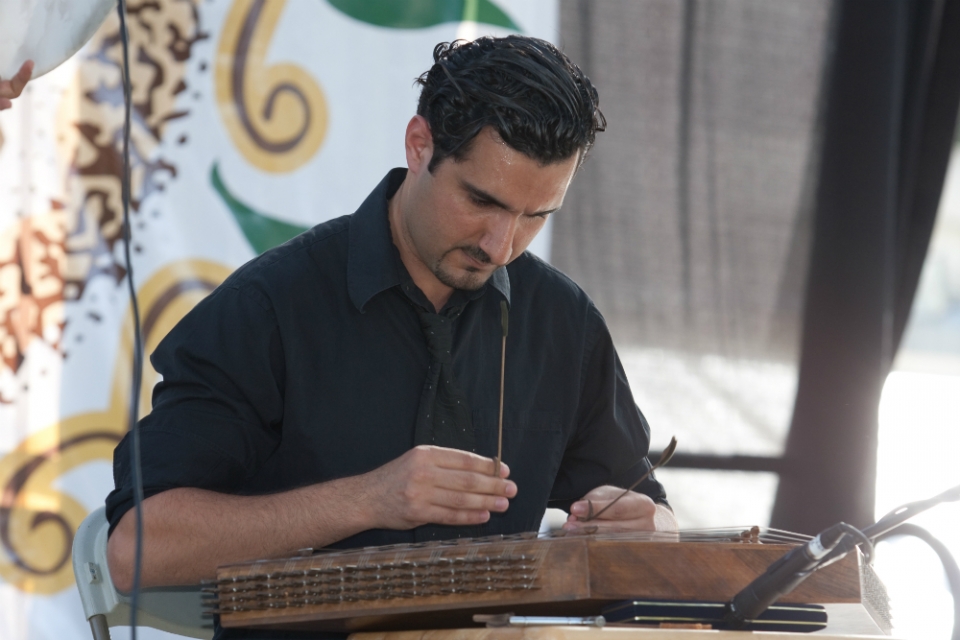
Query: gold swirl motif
{"type": "Point", "coordinates": [37, 520]}
{"type": "Point", "coordinates": [276, 115]}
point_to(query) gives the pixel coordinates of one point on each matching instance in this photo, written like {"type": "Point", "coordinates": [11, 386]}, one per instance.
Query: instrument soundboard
{"type": "Point", "coordinates": [442, 584]}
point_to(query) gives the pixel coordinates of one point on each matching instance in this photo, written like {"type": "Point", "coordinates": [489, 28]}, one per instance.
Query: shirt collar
{"type": "Point", "coordinates": [372, 258]}
{"type": "Point", "coordinates": [500, 280]}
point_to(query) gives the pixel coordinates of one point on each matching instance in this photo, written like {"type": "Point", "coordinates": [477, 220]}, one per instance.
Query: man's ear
{"type": "Point", "coordinates": [418, 142]}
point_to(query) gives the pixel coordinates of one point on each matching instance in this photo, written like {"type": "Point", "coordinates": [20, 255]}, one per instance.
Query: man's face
{"type": "Point", "coordinates": [472, 216]}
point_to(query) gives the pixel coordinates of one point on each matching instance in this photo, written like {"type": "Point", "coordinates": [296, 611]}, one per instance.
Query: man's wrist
{"type": "Point", "coordinates": [347, 506]}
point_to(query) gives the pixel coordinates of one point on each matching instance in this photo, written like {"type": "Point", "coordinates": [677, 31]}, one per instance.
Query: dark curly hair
{"type": "Point", "coordinates": [539, 101]}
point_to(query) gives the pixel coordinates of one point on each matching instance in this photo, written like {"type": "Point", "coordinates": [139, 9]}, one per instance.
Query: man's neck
{"type": "Point", "coordinates": [434, 290]}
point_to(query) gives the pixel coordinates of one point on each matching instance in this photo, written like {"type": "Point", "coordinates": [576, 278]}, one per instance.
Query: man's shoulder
{"type": "Point", "coordinates": [530, 275]}
{"type": "Point", "coordinates": [546, 294]}
{"type": "Point", "coordinates": [298, 262]}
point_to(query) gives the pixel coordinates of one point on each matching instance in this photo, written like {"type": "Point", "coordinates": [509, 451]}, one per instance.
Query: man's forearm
{"type": "Point", "coordinates": [188, 533]}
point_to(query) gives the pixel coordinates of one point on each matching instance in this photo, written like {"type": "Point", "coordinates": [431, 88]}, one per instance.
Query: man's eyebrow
{"type": "Point", "coordinates": [480, 194]}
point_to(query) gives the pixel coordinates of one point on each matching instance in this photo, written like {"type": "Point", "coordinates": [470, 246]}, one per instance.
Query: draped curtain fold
{"type": "Point", "coordinates": [890, 114]}
{"type": "Point", "coordinates": [765, 193]}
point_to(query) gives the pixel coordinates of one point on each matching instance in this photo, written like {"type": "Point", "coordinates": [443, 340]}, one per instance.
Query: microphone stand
{"type": "Point", "coordinates": [892, 520]}
{"type": "Point", "coordinates": [830, 545]}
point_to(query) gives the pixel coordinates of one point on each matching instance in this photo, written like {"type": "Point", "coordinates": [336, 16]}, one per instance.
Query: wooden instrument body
{"type": "Point", "coordinates": [563, 576]}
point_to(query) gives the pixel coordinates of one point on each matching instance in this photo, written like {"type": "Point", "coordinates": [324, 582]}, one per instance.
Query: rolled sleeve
{"type": "Point", "coordinates": [217, 412]}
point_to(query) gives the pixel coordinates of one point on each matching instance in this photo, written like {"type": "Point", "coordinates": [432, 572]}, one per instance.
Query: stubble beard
{"type": "Point", "coordinates": [472, 279]}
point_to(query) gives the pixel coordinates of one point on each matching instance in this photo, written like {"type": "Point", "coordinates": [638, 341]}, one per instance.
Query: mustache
{"type": "Point", "coordinates": [477, 254]}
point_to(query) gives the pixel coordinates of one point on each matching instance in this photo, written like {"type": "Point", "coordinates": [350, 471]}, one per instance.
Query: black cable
{"type": "Point", "coordinates": [889, 522]}
{"type": "Point", "coordinates": [949, 564]}
{"type": "Point", "coordinates": [865, 543]}
{"type": "Point", "coordinates": [832, 544]}
{"type": "Point", "coordinates": [137, 337]}
{"type": "Point", "coordinates": [907, 511]}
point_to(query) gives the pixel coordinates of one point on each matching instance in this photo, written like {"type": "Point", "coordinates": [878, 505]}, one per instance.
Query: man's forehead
{"type": "Point", "coordinates": [503, 173]}
{"type": "Point", "coordinates": [492, 142]}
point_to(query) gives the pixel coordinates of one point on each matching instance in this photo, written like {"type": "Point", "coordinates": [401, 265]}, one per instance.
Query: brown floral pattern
{"type": "Point", "coordinates": [48, 258]}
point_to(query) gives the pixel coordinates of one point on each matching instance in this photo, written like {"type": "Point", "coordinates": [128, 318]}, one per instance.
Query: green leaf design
{"type": "Point", "coordinates": [419, 14]}
{"type": "Point", "coordinates": [261, 231]}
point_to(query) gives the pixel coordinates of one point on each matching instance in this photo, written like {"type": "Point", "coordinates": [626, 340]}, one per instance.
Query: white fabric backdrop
{"type": "Point", "coordinates": [212, 165]}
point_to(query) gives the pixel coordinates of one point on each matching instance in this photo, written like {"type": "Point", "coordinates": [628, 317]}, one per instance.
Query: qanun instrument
{"type": "Point", "coordinates": [442, 584]}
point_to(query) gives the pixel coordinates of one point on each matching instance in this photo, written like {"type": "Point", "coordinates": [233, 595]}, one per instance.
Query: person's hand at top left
{"type": "Point", "coordinates": [633, 512]}
{"type": "Point", "coordinates": [10, 89]}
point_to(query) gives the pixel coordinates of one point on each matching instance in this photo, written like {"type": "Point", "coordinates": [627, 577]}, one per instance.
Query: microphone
{"type": "Point", "coordinates": [781, 578]}
{"type": "Point", "coordinates": [784, 575]}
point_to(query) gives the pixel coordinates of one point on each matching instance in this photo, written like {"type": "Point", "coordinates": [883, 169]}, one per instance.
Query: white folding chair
{"type": "Point", "coordinates": [173, 609]}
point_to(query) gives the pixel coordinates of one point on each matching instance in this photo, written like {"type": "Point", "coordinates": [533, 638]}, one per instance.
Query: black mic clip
{"type": "Point", "coordinates": [784, 575]}
{"type": "Point", "coordinates": [781, 577]}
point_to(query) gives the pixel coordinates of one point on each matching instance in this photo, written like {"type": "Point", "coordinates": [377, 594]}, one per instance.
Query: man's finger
{"type": "Point", "coordinates": [475, 483]}
{"type": "Point", "coordinates": [19, 81]}
{"type": "Point", "coordinates": [629, 508]}
{"type": "Point", "coordinates": [588, 508]}
{"type": "Point", "coordinates": [609, 526]}
{"type": "Point", "coordinates": [466, 461]}
{"type": "Point", "coordinates": [462, 501]}
{"type": "Point", "coordinates": [14, 87]}
{"type": "Point", "coordinates": [5, 104]}
{"type": "Point", "coordinates": [458, 517]}
{"type": "Point", "coordinates": [605, 492]}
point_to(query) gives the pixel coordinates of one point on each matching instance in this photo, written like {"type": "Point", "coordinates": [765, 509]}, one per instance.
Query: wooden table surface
{"type": "Point", "coordinates": [592, 633]}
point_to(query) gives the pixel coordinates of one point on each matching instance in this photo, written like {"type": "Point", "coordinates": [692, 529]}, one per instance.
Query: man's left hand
{"type": "Point", "coordinates": [633, 512]}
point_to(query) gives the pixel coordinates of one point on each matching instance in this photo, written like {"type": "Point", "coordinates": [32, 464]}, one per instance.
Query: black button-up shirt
{"type": "Point", "coordinates": [308, 363]}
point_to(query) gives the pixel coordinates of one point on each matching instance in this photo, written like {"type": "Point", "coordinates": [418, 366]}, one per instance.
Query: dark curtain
{"type": "Point", "coordinates": [765, 192]}
{"type": "Point", "coordinates": [889, 118]}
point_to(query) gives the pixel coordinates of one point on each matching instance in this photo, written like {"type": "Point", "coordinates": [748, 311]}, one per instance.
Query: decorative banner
{"type": "Point", "coordinates": [253, 121]}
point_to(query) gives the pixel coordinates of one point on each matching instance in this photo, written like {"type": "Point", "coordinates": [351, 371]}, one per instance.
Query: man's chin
{"type": "Point", "coordinates": [463, 279]}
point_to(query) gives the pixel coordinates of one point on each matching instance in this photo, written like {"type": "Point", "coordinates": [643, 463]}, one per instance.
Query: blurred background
{"type": "Point", "coordinates": [770, 225]}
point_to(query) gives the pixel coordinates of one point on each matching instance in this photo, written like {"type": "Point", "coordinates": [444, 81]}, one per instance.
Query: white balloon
{"type": "Point", "coordinates": [46, 31]}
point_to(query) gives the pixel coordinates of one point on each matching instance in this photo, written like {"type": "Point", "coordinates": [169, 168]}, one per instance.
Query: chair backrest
{"type": "Point", "coordinates": [174, 609]}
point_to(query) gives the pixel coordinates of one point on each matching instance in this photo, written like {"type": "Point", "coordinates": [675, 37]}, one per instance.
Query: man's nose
{"type": "Point", "coordinates": [497, 242]}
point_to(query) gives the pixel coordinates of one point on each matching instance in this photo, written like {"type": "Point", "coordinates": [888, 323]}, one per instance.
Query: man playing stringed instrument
{"type": "Point", "coordinates": [344, 389]}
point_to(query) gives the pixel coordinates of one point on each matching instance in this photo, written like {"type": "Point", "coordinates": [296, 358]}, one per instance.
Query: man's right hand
{"type": "Point", "coordinates": [188, 533]}
{"type": "Point", "coordinates": [10, 89]}
{"type": "Point", "coordinates": [437, 486]}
